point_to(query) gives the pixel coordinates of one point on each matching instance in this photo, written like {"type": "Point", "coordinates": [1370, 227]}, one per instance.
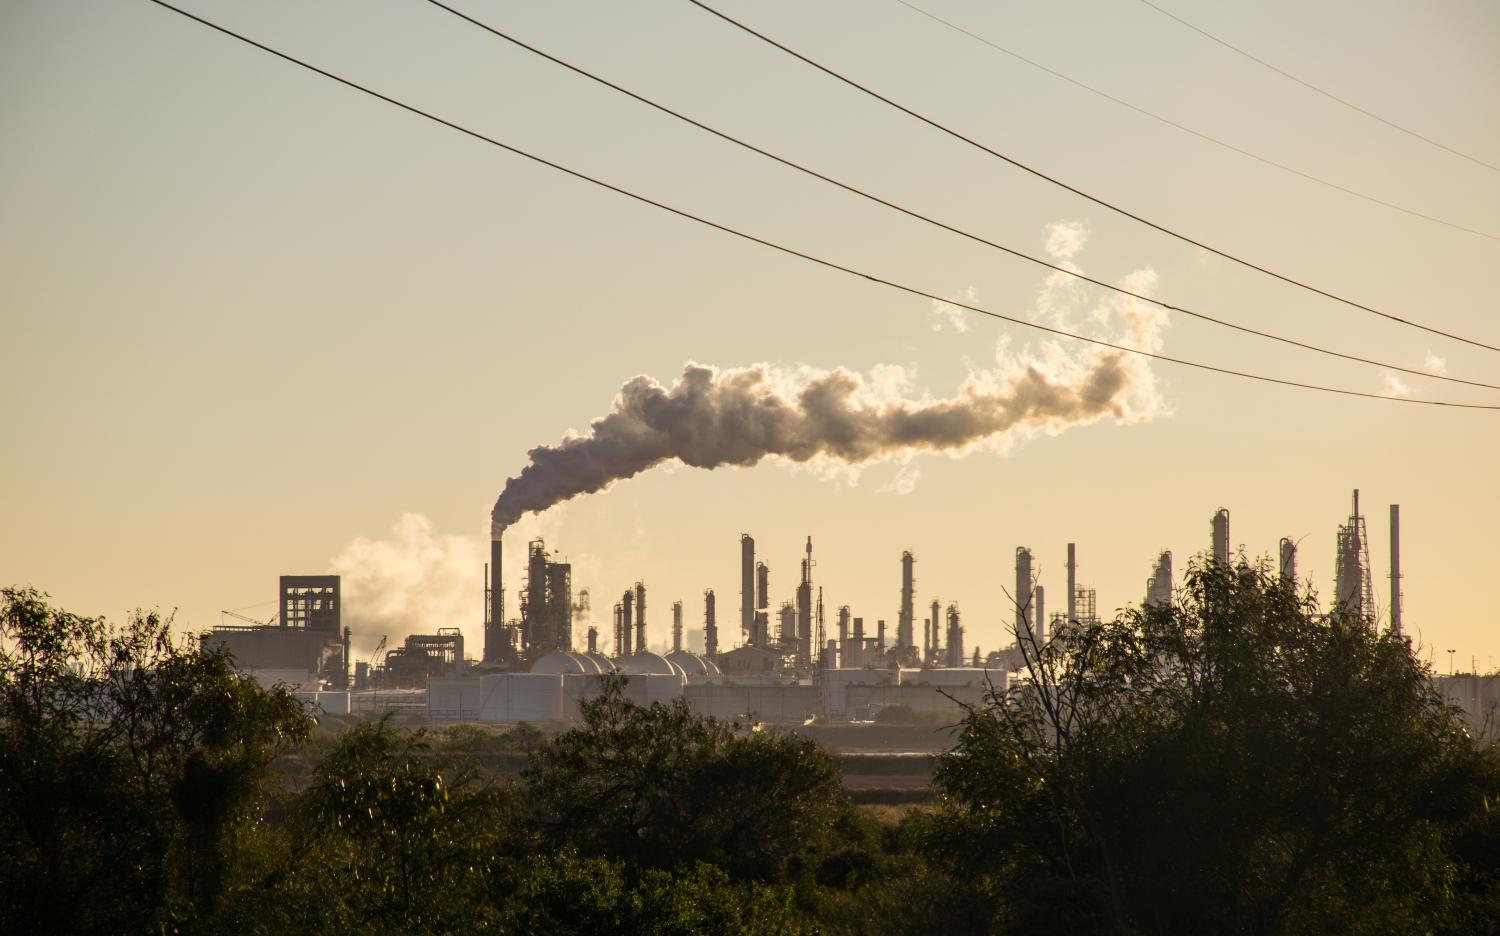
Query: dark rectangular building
{"type": "Point", "coordinates": [311, 602]}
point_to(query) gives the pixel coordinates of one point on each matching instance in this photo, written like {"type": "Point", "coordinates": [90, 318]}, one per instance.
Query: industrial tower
{"type": "Point", "coordinates": [1353, 591]}
{"type": "Point", "coordinates": [1159, 586]}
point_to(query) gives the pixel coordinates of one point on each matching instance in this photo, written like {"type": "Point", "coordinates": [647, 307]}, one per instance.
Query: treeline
{"type": "Point", "coordinates": [1234, 764]}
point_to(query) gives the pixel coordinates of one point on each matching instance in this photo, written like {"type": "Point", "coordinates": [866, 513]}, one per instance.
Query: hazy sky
{"type": "Point", "coordinates": [256, 323]}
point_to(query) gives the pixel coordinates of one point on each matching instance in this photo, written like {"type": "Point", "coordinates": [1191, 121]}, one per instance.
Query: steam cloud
{"type": "Point", "coordinates": [711, 418]}
{"type": "Point", "coordinates": [411, 581]}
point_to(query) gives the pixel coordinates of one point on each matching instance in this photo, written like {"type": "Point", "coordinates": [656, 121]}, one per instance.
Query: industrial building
{"type": "Point", "coordinates": [422, 656]}
{"type": "Point", "coordinates": [795, 672]}
{"type": "Point", "coordinates": [304, 644]}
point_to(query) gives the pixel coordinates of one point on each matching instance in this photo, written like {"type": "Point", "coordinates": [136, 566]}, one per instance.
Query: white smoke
{"type": "Point", "coordinates": [711, 417]}
{"type": "Point", "coordinates": [1394, 386]}
{"type": "Point", "coordinates": [946, 314]}
{"type": "Point", "coordinates": [1433, 364]}
{"type": "Point", "coordinates": [1066, 239]}
{"type": "Point", "coordinates": [905, 481]}
{"type": "Point", "coordinates": [412, 581]}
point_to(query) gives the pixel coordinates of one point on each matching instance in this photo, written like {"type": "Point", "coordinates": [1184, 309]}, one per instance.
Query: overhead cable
{"type": "Point", "coordinates": [1189, 130]}
{"type": "Point", "coordinates": [828, 264]}
{"type": "Point", "coordinates": [940, 224]}
{"type": "Point", "coordinates": [1082, 194]}
{"type": "Point", "coordinates": [1312, 87]}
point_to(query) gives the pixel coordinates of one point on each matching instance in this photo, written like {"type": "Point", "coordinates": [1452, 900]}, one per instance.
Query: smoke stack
{"type": "Point", "coordinates": [747, 586]}
{"type": "Point", "coordinates": [1024, 608]}
{"type": "Point", "coordinates": [843, 616]}
{"type": "Point", "coordinates": [627, 622]}
{"type": "Point", "coordinates": [494, 608]}
{"type": "Point", "coordinates": [497, 589]}
{"type": "Point", "coordinates": [904, 635]}
{"type": "Point", "coordinates": [1220, 526]}
{"type": "Point", "coordinates": [676, 627]}
{"type": "Point", "coordinates": [1396, 569]}
{"type": "Point", "coordinates": [710, 624]}
{"type": "Point", "coordinates": [1288, 556]}
{"type": "Point", "coordinates": [1040, 598]}
{"type": "Point", "coordinates": [1072, 585]}
{"type": "Point", "coordinates": [640, 617]}
{"type": "Point", "coordinates": [760, 634]}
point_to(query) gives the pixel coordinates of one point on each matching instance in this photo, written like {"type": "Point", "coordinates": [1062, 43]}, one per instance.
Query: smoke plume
{"type": "Point", "coordinates": [414, 580]}
{"type": "Point", "coordinates": [714, 417]}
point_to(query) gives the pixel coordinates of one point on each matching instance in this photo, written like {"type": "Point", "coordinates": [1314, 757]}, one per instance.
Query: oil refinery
{"type": "Point", "coordinates": [797, 669]}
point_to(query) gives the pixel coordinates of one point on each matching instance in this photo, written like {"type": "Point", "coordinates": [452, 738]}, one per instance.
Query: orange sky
{"type": "Point", "coordinates": [253, 320]}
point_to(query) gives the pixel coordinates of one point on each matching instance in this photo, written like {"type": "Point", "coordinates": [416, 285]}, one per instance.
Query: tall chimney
{"type": "Point", "coordinates": [1288, 557]}
{"type": "Point", "coordinates": [1040, 599]}
{"type": "Point", "coordinates": [710, 624]}
{"type": "Point", "coordinates": [494, 612]}
{"type": "Point", "coordinates": [640, 617]}
{"type": "Point", "coordinates": [760, 633]}
{"type": "Point", "coordinates": [747, 586]}
{"type": "Point", "coordinates": [1023, 601]}
{"type": "Point", "coordinates": [627, 621]}
{"type": "Point", "coordinates": [1072, 585]}
{"type": "Point", "coordinates": [1396, 569]}
{"type": "Point", "coordinates": [1220, 527]}
{"type": "Point", "coordinates": [843, 617]}
{"type": "Point", "coordinates": [904, 623]}
{"type": "Point", "coordinates": [676, 627]}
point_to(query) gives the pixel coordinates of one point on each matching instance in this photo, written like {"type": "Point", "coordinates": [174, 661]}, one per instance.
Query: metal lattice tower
{"type": "Point", "coordinates": [1354, 591]}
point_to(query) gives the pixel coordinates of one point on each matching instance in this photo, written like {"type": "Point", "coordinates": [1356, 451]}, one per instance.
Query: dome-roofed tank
{"type": "Point", "coordinates": [691, 663]}
{"type": "Point", "coordinates": [590, 665]}
{"type": "Point", "coordinates": [560, 662]}
{"type": "Point", "coordinates": [647, 663]}
{"type": "Point", "coordinates": [605, 664]}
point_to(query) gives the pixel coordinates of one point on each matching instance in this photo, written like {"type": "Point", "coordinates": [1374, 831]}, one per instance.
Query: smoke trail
{"type": "Point", "coordinates": [710, 417]}
{"type": "Point", "coordinates": [409, 582]}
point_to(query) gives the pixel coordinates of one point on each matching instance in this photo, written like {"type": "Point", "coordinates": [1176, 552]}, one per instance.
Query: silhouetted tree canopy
{"type": "Point", "coordinates": [130, 766]}
{"type": "Point", "coordinates": [1237, 763]}
{"type": "Point", "coordinates": [1234, 764]}
{"type": "Point", "coordinates": [658, 787]}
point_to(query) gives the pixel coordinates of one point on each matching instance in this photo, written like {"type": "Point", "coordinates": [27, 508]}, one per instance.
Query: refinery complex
{"type": "Point", "coordinates": [794, 661]}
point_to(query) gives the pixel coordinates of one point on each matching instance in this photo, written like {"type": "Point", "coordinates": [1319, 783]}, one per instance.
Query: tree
{"type": "Point", "coordinates": [1236, 763]}
{"type": "Point", "coordinates": [565, 894]}
{"type": "Point", "coordinates": [659, 787]}
{"type": "Point", "coordinates": [388, 838]}
{"type": "Point", "coordinates": [131, 766]}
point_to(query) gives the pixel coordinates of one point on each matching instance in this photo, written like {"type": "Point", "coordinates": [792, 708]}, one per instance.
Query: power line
{"type": "Point", "coordinates": [1079, 192]}
{"type": "Point", "coordinates": [1189, 130]}
{"type": "Point", "coordinates": [828, 264]}
{"type": "Point", "coordinates": [934, 222]}
{"type": "Point", "coordinates": [1312, 87]}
